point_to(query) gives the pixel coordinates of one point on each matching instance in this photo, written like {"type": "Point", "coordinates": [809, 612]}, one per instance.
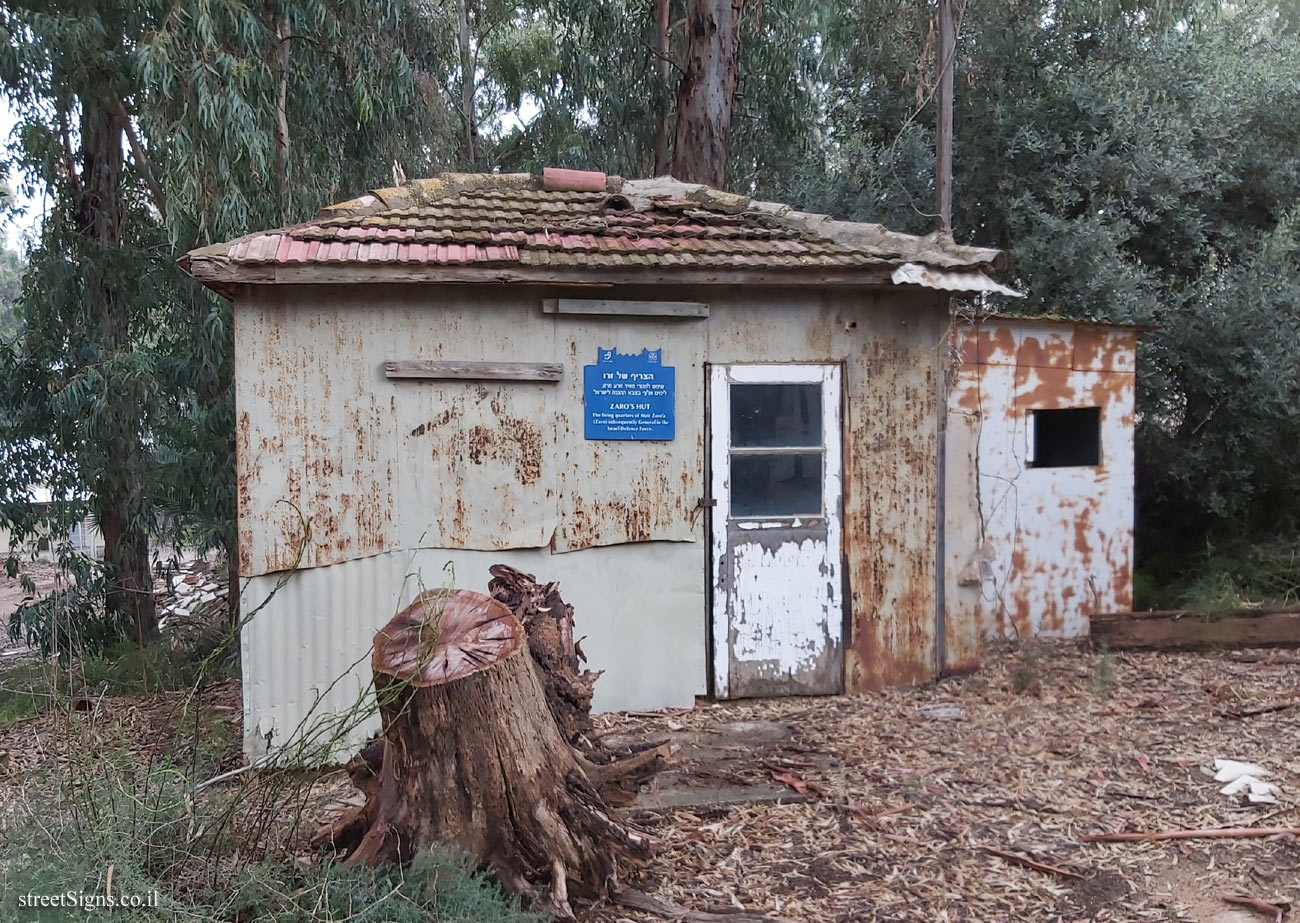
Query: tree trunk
{"type": "Point", "coordinates": [118, 497]}
{"type": "Point", "coordinates": [548, 623]}
{"type": "Point", "coordinates": [558, 656]}
{"type": "Point", "coordinates": [466, 82]}
{"type": "Point", "coordinates": [707, 92]}
{"type": "Point", "coordinates": [280, 71]}
{"type": "Point", "coordinates": [472, 758]}
{"type": "Point", "coordinates": [663, 30]}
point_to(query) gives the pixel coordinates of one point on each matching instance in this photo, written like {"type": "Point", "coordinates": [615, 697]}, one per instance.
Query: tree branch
{"type": "Point", "coordinates": [71, 165]}
{"type": "Point", "coordinates": [141, 160]}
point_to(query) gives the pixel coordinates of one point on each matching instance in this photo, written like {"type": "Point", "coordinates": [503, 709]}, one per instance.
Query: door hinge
{"type": "Point", "coordinates": [704, 503]}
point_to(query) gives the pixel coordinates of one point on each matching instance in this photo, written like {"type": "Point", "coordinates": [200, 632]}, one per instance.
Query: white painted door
{"type": "Point", "coordinates": [775, 454]}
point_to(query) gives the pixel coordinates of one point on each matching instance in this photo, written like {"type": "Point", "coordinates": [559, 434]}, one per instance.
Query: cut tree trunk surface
{"type": "Point", "coordinates": [472, 758]}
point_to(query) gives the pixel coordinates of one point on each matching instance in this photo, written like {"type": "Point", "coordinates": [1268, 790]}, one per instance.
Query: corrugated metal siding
{"type": "Point", "coordinates": [630, 491]}
{"type": "Point", "coordinates": [375, 465]}
{"type": "Point", "coordinates": [891, 346]}
{"type": "Point", "coordinates": [311, 437]}
{"type": "Point", "coordinates": [310, 361]}
{"type": "Point", "coordinates": [638, 607]}
{"type": "Point", "coordinates": [1032, 551]}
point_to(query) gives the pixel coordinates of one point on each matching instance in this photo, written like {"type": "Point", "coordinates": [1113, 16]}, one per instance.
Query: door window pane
{"type": "Point", "coordinates": [776, 484]}
{"type": "Point", "coordinates": [764, 416]}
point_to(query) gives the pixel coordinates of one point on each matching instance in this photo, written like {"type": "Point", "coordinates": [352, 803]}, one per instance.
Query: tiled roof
{"type": "Point", "coordinates": [502, 221]}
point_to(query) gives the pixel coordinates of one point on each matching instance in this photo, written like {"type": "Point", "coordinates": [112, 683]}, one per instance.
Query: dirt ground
{"type": "Point", "coordinates": [12, 594]}
{"type": "Point", "coordinates": [904, 791]}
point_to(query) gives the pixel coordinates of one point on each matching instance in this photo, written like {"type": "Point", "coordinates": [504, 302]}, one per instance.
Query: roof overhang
{"type": "Point", "coordinates": [226, 277]}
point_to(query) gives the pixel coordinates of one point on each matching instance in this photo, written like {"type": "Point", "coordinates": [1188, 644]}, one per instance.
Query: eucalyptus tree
{"type": "Point", "coordinates": [606, 79]}
{"type": "Point", "coordinates": [155, 127]}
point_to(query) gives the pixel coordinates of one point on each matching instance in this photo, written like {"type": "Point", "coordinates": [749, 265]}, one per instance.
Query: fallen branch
{"type": "Point", "coordinates": [1204, 834]}
{"type": "Point", "coordinates": [1262, 710]}
{"type": "Point", "coordinates": [639, 900]}
{"type": "Point", "coordinates": [1276, 909]}
{"type": "Point", "coordinates": [1032, 863]}
{"type": "Point", "coordinates": [647, 761]}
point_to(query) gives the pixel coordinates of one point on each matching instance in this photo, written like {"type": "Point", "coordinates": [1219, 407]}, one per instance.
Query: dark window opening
{"type": "Point", "coordinates": [1065, 438]}
{"type": "Point", "coordinates": [784, 484]}
{"type": "Point", "coordinates": [776, 450]}
{"type": "Point", "coordinates": [776, 415]}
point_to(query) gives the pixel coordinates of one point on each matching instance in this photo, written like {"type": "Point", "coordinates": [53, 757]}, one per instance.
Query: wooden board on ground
{"type": "Point", "coordinates": [1192, 630]}
{"type": "Point", "coordinates": [732, 763]}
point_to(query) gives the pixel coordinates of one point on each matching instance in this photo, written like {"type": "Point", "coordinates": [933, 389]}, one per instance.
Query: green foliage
{"type": "Point", "coordinates": [26, 690]}
{"type": "Point", "coordinates": [128, 668]}
{"type": "Point", "coordinates": [1222, 577]}
{"type": "Point", "coordinates": [139, 828]}
{"type": "Point", "coordinates": [71, 619]}
{"type": "Point", "coordinates": [1146, 592]}
{"type": "Point", "coordinates": [439, 886]}
{"type": "Point", "coordinates": [11, 284]}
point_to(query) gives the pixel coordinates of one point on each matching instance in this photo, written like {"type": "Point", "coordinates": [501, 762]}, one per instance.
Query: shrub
{"type": "Point", "coordinates": [104, 826]}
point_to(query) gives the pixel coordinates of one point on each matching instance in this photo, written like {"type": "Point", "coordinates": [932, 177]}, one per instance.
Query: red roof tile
{"type": "Point", "coordinates": [492, 220]}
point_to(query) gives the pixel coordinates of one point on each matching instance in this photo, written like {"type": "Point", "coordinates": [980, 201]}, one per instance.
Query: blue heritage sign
{"type": "Point", "coordinates": [629, 396]}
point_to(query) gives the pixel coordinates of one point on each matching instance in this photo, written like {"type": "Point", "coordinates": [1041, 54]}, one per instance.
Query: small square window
{"type": "Point", "coordinates": [1064, 438]}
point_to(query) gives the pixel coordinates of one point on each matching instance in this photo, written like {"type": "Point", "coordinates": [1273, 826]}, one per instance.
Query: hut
{"type": "Point", "coordinates": [716, 421]}
{"type": "Point", "coordinates": [1039, 454]}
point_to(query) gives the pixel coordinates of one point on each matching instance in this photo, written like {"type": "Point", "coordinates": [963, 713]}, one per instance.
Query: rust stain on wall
{"type": "Point", "coordinates": [891, 486]}
{"type": "Point", "coordinates": [613, 492]}
{"type": "Point", "coordinates": [1033, 550]}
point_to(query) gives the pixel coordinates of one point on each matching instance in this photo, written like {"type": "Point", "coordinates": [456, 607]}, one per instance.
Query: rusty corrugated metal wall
{"type": "Point", "coordinates": [892, 348]}
{"type": "Point", "coordinates": [1031, 551]}
{"type": "Point", "coordinates": [396, 478]}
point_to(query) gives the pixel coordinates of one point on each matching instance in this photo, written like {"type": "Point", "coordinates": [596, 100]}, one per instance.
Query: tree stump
{"type": "Point", "coordinates": [472, 758]}
{"type": "Point", "coordinates": [548, 622]}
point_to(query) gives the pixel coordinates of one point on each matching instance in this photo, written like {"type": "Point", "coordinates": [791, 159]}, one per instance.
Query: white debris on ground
{"type": "Point", "coordinates": [1247, 779]}
{"type": "Point", "coordinates": [190, 591]}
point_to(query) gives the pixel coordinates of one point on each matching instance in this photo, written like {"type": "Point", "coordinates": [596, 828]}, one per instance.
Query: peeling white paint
{"type": "Point", "coordinates": [777, 597]}
{"type": "Point", "coordinates": [768, 588]}
{"type": "Point", "coordinates": [1033, 551]}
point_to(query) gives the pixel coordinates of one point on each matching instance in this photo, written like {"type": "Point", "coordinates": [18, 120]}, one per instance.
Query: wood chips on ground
{"type": "Point", "coordinates": [1108, 744]}
{"type": "Point", "coordinates": [906, 789]}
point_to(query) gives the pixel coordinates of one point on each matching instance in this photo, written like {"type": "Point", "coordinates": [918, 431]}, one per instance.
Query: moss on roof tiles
{"type": "Point", "coordinates": [632, 223]}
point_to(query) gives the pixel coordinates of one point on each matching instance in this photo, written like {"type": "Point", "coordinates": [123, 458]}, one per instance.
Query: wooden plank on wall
{"type": "Point", "coordinates": [630, 308]}
{"type": "Point", "coordinates": [1190, 630]}
{"type": "Point", "coordinates": [473, 371]}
